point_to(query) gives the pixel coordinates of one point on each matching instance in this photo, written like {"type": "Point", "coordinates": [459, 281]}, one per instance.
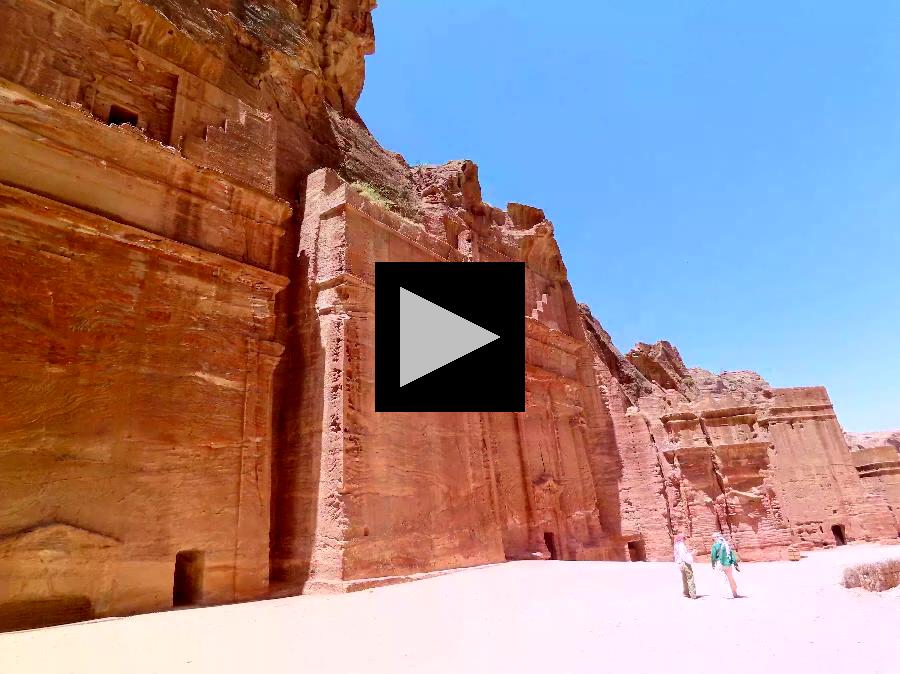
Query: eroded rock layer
{"type": "Point", "coordinates": [138, 355]}
{"type": "Point", "coordinates": [190, 214]}
{"type": "Point", "coordinates": [378, 494]}
{"type": "Point", "coordinates": [877, 460]}
{"type": "Point", "coordinates": [768, 465]}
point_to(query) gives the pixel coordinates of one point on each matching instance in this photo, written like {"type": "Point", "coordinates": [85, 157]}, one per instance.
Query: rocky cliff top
{"type": "Point", "coordinates": [327, 38]}
{"type": "Point", "coordinates": [858, 441]}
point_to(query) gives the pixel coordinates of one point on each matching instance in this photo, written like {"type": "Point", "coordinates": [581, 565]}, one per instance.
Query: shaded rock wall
{"type": "Point", "coordinates": [625, 457]}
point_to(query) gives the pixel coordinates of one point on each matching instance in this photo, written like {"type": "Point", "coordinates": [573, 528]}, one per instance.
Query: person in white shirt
{"type": "Point", "coordinates": [684, 559]}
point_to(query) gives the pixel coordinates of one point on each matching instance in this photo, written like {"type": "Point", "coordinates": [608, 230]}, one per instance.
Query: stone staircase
{"type": "Point", "coordinates": [537, 313]}
{"type": "Point", "coordinates": [538, 310]}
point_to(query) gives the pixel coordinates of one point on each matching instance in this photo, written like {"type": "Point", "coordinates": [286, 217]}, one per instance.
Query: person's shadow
{"type": "Point", "coordinates": [740, 596]}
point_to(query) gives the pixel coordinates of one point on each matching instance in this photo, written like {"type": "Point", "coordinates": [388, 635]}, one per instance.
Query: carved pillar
{"type": "Point", "coordinates": [251, 552]}
{"type": "Point", "coordinates": [535, 541]}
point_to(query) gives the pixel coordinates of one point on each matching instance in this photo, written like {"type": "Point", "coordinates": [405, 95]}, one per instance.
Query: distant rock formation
{"type": "Point", "coordinates": [877, 459]}
{"type": "Point", "coordinates": [770, 466]}
{"type": "Point", "coordinates": [858, 441]}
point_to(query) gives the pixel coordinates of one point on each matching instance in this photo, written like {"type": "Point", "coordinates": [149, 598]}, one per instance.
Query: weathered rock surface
{"type": "Point", "coordinates": [877, 460]}
{"type": "Point", "coordinates": [190, 213]}
{"type": "Point", "coordinates": [378, 495]}
{"type": "Point", "coordinates": [138, 306]}
{"type": "Point", "coordinates": [142, 149]}
{"type": "Point", "coordinates": [768, 465]}
{"type": "Point", "coordinates": [859, 441]}
{"type": "Point", "coordinates": [626, 458]}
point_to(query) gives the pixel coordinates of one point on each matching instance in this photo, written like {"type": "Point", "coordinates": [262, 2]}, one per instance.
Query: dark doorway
{"type": "Point", "coordinates": [550, 542]}
{"type": "Point", "coordinates": [636, 551]}
{"type": "Point", "coordinates": [187, 588]}
{"type": "Point", "coordinates": [838, 531]}
{"type": "Point", "coordinates": [120, 115]}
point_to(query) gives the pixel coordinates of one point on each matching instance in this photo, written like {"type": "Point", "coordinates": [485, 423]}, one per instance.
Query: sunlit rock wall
{"type": "Point", "coordinates": [190, 213]}
{"type": "Point", "coordinates": [365, 496]}
{"type": "Point", "coordinates": [136, 370]}
{"type": "Point", "coordinates": [768, 466]}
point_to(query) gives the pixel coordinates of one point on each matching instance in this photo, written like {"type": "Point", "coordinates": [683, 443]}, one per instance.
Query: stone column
{"type": "Point", "coordinates": [251, 554]}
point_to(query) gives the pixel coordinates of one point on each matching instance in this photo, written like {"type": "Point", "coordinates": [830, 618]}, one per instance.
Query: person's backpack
{"type": "Point", "coordinates": [720, 555]}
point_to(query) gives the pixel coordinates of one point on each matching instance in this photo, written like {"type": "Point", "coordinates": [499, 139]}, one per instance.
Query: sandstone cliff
{"type": "Point", "coordinates": [190, 213]}
{"type": "Point", "coordinates": [740, 456]}
{"type": "Point", "coordinates": [859, 441]}
{"type": "Point", "coordinates": [877, 460]}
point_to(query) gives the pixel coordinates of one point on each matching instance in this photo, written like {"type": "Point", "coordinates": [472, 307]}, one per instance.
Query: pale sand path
{"type": "Point", "coordinates": [533, 617]}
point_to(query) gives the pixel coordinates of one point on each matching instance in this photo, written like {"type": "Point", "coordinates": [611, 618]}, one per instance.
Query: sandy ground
{"type": "Point", "coordinates": [560, 617]}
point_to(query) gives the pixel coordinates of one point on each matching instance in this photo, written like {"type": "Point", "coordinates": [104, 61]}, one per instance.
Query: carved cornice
{"type": "Point", "coordinates": [35, 210]}
{"type": "Point", "coordinates": [49, 121]}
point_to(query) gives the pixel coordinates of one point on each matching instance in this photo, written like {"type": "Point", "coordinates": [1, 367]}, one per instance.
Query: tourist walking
{"type": "Point", "coordinates": [722, 556]}
{"type": "Point", "coordinates": [684, 559]}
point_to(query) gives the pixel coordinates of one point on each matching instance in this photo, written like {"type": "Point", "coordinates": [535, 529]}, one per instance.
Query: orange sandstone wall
{"type": "Point", "coordinates": [769, 466]}
{"type": "Point", "coordinates": [398, 494]}
{"type": "Point", "coordinates": [632, 481]}
{"type": "Point", "coordinates": [818, 480]}
{"type": "Point", "coordinates": [136, 370]}
{"type": "Point", "coordinates": [879, 469]}
{"type": "Point", "coordinates": [187, 376]}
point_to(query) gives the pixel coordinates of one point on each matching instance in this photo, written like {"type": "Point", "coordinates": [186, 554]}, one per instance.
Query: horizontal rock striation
{"type": "Point", "coordinates": [377, 495]}
{"type": "Point", "coordinates": [768, 465]}
{"type": "Point", "coordinates": [877, 460]}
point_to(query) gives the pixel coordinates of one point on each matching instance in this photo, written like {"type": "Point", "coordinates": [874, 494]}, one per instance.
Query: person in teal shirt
{"type": "Point", "coordinates": [724, 556]}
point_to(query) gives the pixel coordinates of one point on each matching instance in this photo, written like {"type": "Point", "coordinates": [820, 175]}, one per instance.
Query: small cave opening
{"type": "Point", "coordinates": [120, 115]}
{"type": "Point", "coordinates": [636, 551]}
{"type": "Point", "coordinates": [840, 537]}
{"type": "Point", "coordinates": [550, 542]}
{"type": "Point", "coordinates": [187, 586]}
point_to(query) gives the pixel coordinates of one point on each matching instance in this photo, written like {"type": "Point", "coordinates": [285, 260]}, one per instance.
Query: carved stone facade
{"type": "Point", "coordinates": [729, 453]}
{"type": "Point", "coordinates": [877, 460]}
{"type": "Point", "coordinates": [186, 382]}
{"type": "Point", "coordinates": [365, 496]}
{"type": "Point", "coordinates": [138, 296]}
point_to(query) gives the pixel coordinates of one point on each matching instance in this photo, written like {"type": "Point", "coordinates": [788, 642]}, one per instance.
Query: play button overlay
{"type": "Point", "coordinates": [431, 337]}
{"type": "Point", "coordinates": [449, 337]}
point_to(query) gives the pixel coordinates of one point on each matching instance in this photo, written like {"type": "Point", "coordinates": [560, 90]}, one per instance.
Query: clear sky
{"type": "Point", "coordinates": [724, 175]}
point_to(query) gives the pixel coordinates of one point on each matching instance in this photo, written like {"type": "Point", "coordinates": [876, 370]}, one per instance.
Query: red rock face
{"type": "Point", "coordinates": [136, 371]}
{"type": "Point", "coordinates": [397, 494]}
{"type": "Point", "coordinates": [768, 466]}
{"type": "Point", "coordinates": [190, 214]}
{"type": "Point", "coordinates": [625, 460]}
{"type": "Point", "coordinates": [877, 460]}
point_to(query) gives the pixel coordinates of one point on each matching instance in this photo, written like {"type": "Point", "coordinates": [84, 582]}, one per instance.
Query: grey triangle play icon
{"type": "Point", "coordinates": [431, 337]}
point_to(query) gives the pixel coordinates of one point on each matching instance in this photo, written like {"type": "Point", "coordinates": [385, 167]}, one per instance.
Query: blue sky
{"type": "Point", "coordinates": [723, 175]}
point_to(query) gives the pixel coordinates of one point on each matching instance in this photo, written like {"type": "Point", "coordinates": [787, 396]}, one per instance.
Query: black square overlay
{"type": "Point", "coordinates": [489, 379]}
